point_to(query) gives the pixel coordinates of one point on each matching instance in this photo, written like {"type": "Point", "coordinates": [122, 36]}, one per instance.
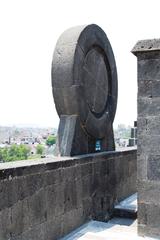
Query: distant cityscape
{"type": "Point", "coordinates": [30, 137]}
{"type": "Point", "coordinates": [125, 136]}
{"type": "Point", "coordinates": [35, 138]}
{"type": "Point", "coordinates": [27, 135]}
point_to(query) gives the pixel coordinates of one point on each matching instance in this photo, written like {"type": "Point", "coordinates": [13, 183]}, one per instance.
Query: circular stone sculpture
{"type": "Point", "coordinates": [84, 82]}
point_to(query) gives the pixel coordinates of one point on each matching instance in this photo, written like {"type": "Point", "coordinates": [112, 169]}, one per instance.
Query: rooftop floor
{"type": "Point", "coordinates": [115, 229]}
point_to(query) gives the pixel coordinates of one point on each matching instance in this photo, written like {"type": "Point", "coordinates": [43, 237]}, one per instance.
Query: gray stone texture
{"type": "Point", "coordinates": [84, 84]}
{"type": "Point", "coordinates": [148, 158]}
{"type": "Point", "coordinates": [46, 199]}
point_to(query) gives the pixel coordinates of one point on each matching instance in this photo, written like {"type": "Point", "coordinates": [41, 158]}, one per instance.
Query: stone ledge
{"type": "Point", "coordinates": [19, 168]}
{"type": "Point", "coordinates": [146, 46]}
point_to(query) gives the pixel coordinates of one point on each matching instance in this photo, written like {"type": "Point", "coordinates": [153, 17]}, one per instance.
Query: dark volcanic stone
{"type": "Point", "coordinates": [148, 159]}
{"type": "Point", "coordinates": [84, 82]}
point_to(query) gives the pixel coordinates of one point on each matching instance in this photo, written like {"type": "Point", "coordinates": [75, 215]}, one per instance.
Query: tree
{"type": "Point", "coordinates": [40, 149]}
{"type": "Point", "coordinates": [1, 155]}
{"type": "Point", "coordinates": [51, 140]}
{"type": "Point", "coordinates": [14, 152]}
{"type": "Point", "coordinates": [24, 151]}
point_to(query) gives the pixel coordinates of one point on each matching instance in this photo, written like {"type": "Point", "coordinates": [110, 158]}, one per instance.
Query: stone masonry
{"type": "Point", "coordinates": [148, 159]}
{"type": "Point", "coordinates": [84, 84]}
{"type": "Point", "coordinates": [46, 199]}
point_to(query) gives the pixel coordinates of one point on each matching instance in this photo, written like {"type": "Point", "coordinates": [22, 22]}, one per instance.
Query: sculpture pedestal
{"type": "Point", "coordinates": [72, 139]}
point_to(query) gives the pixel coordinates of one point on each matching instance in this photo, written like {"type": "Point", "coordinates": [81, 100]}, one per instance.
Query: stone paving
{"type": "Point", "coordinates": [115, 229]}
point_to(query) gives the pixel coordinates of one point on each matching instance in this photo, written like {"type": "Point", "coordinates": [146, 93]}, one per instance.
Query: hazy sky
{"type": "Point", "coordinates": [29, 30]}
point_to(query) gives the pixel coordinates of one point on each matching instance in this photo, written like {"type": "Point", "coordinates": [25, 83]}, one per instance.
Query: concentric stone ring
{"type": "Point", "coordinates": [84, 79]}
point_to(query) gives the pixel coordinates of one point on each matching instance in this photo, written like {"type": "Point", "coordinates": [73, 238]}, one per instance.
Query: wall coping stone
{"type": "Point", "coordinates": [25, 167]}
{"type": "Point", "coordinates": [149, 45]}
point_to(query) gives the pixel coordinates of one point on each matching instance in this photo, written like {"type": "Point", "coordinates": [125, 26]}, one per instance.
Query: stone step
{"type": "Point", "coordinates": [127, 208]}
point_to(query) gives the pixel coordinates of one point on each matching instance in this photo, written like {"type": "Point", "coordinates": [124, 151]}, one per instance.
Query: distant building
{"type": "Point", "coordinates": [27, 140]}
{"type": "Point", "coordinates": [133, 139]}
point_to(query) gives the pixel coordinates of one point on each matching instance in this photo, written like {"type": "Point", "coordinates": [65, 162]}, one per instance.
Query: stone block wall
{"type": "Point", "coordinates": [148, 159]}
{"type": "Point", "coordinates": [46, 199]}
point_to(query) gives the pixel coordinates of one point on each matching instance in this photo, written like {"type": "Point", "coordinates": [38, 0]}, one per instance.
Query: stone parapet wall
{"type": "Point", "coordinates": [148, 157]}
{"type": "Point", "coordinates": [46, 199]}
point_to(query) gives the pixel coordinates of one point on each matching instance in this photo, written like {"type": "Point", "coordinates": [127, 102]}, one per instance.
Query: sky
{"type": "Point", "coordinates": [29, 30]}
